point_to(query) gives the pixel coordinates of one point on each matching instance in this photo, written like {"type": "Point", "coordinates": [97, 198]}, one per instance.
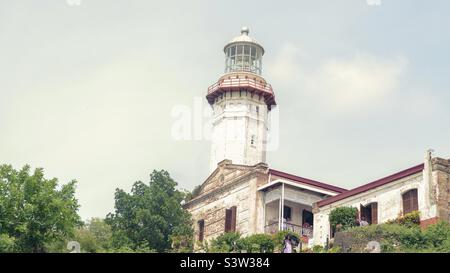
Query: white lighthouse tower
{"type": "Point", "coordinates": [241, 100]}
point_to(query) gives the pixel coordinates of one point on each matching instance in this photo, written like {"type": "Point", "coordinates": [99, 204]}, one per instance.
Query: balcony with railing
{"type": "Point", "coordinates": [302, 231]}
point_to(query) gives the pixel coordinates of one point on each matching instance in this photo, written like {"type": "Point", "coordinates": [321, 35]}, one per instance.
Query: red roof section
{"type": "Point", "coordinates": [307, 181]}
{"type": "Point", "coordinates": [372, 185]}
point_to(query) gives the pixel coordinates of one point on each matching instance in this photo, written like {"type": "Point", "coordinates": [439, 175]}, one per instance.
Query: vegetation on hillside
{"type": "Point", "coordinates": [40, 215]}
{"type": "Point", "coordinates": [403, 234]}
{"type": "Point", "coordinates": [256, 243]}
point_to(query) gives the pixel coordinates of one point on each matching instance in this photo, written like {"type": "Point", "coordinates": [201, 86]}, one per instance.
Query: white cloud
{"type": "Point", "coordinates": [287, 67]}
{"type": "Point", "coordinates": [338, 84]}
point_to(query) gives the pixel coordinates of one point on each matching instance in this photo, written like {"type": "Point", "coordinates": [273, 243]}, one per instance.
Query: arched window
{"type": "Point", "coordinates": [410, 202]}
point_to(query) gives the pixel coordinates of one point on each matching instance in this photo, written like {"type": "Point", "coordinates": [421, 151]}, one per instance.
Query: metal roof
{"type": "Point", "coordinates": [372, 185]}
{"type": "Point", "coordinates": [307, 181]}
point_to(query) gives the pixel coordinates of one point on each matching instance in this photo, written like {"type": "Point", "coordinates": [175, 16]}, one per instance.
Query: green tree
{"type": "Point", "coordinates": [6, 243]}
{"type": "Point", "coordinates": [189, 195]}
{"type": "Point", "coordinates": [95, 236]}
{"type": "Point", "coordinates": [149, 216]}
{"type": "Point", "coordinates": [35, 211]}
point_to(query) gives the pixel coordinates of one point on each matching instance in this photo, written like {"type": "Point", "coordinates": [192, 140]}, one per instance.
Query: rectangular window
{"type": "Point", "coordinates": [201, 229]}
{"type": "Point", "coordinates": [374, 213]}
{"type": "Point", "coordinates": [287, 213]}
{"type": "Point", "coordinates": [230, 219]}
{"type": "Point", "coordinates": [410, 202]}
{"type": "Point", "coordinates": [239, 62]}
{"type": "Point", "coordinates": [246, 62]}
{"type": "Point", "coordinates": [253, 51]}
{"type": "Point", "coordinates": [233, 60]}
{"type": "Point", "coordinates": [307, 218]}
{"type": "Point", "coordinates": [247, 50]}
{"type": "Point", "coordinates": [239, 49]}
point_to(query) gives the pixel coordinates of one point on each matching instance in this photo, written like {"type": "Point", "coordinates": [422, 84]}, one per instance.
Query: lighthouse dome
{"type": "Point", "coordinates": [244, 38]}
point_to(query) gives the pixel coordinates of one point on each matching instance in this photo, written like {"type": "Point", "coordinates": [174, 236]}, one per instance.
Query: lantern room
{"type": "Point", "coordinates": [243, 53]}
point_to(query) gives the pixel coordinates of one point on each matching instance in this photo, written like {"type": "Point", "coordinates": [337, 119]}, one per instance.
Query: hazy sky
{"type": "Point", "coordinates": [87, 91]}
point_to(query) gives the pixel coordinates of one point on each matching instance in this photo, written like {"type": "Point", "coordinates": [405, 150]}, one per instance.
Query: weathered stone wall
{"type": "Point", "coordinates": [441, 177]}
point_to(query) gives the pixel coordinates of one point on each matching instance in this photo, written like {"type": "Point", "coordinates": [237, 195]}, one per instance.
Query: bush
{"type": "Point", "coordinates": [318, 249]}
{"type": "Point", "coordinates": [126, 249]}
{"type": "Point", "coordinates": [334, 249]}
{"type": "Point", "coordinates": [405, 237]}
{"type": "Point", "coordinates": [393, 237]}
{"type": "Point", "coordinates": [411, 238]}
{"type": "Point", "coordinates": [182, 244]}
{"type": "Point", "coordinates": [226, 243]}
{"type": "Point", "coordinates": [258, 243]}
{"type": "Point", "coordinates": [343, 218]}
{"type": "Point", "coordinates": [445, 247]}
{"type": "Point", "coordinates": [202, 247]}
{"type": "Point", "coordinates": [278, 239]}
{"type": "Point", "coordinates": [411, 219]}
{"type": "Point", "coordinates": [438, 235]}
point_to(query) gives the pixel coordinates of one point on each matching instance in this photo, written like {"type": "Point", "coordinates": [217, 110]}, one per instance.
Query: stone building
{"type": "Point", "coordinates": [424, 188]}
{"type": "Point", "coordinates": [248, 199]}
{"type": "Point", "coordinates": [243, 194]}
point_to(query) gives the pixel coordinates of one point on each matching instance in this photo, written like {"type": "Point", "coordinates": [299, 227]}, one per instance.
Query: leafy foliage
{"type": "Point", "coordinates": [343, 218]}
{"type": "Point", "coordinates": [402, 238]}
{"type": "Point", "coordinates": [7, 243]}
{"type": "Point", "coordinates": [278, 239]}
{"type": "Point", "coordinates": [258, 243]}
{"type": "Point", "coordinates": [410, 219]}
{"type": "Point", "coordinates": [95, 236]}
{"type": "Point", "coordinates": [194, 193]}
{"type": "Point", "coordinates": [150, 216]}
{"type": "Point", "coordinates": [438, 236]}
{"type": "Point", "coordinates": [318, 249]}
{"type": "Point", "coordinates": [226, 242]}
{"type": "Point", "coordinates": [33, 212]}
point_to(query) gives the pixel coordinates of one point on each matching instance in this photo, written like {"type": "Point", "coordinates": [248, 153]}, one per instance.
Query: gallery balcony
{"type": "Point", "coordinates": [242, 82]}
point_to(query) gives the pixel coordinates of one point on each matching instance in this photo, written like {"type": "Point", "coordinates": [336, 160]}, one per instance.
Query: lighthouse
{"type": "Point", "coordinates": [241, 101]}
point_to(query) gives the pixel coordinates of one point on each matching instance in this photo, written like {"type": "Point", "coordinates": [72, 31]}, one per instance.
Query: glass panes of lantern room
{"type": "Point", "coordinates": [241, 57]}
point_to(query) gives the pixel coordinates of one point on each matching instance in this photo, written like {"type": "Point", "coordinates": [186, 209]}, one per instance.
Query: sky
{"type": "Point", "coordinates": [88, 87]}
